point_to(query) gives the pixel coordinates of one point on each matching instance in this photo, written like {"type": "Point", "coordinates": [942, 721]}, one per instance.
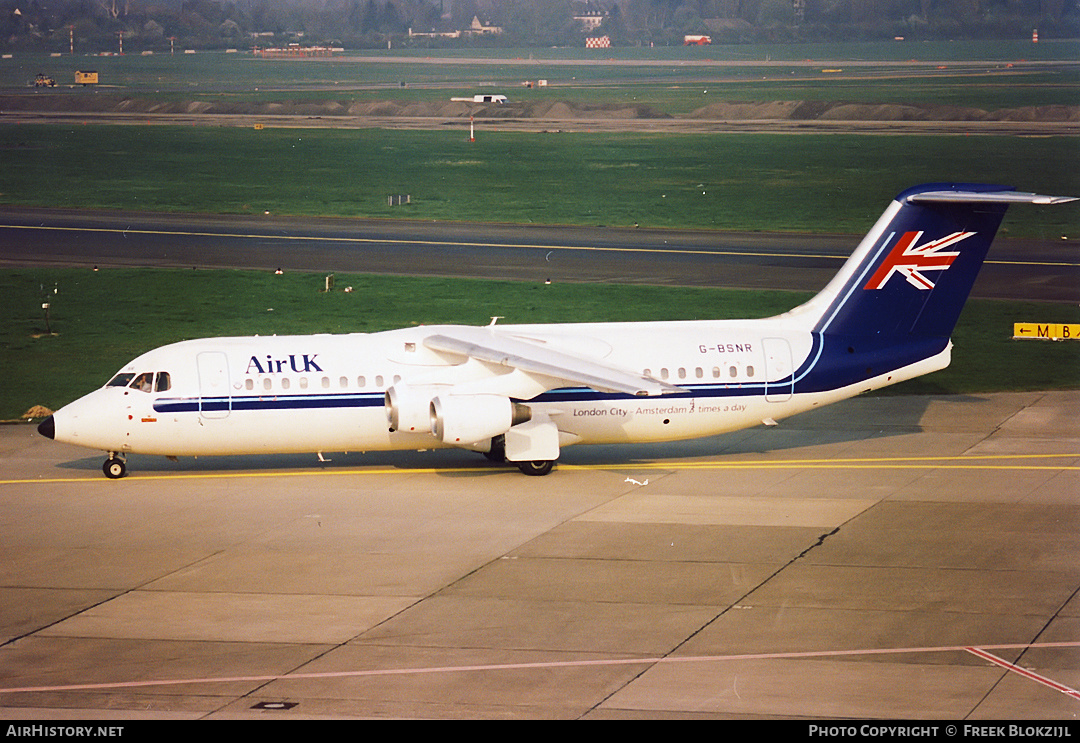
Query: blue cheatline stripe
{"type": "Point", "coordinates": [268, 402]}
{"type": "Point", "coordinates": [586, 394]}
{"type": "Point", "coordinates": [372, 400]}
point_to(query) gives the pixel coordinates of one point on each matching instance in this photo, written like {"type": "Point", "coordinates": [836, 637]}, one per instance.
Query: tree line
{"type": "Point", "coordinates": [97, 25]}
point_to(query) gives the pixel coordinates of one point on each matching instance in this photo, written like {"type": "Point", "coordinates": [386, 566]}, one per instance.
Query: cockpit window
{"type": "Point", "coordinates": [144, 382]}
{"type": "Point", "coordinates": [120, 380]}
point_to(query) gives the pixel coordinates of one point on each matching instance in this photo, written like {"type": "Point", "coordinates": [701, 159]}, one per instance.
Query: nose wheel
{"type": "Point", "coordinates": [114, 467]}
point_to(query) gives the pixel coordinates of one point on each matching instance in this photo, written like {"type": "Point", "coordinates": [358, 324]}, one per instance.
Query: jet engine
{"type": "Point", "coordinates": [408, 408]}
{"type": "Point", "coordinates": [469, 419]}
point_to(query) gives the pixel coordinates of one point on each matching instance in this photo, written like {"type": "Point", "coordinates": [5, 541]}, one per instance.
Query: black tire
{"type": "Point", "coordinates": [537, 468]}
{"type": "Point", "coordinates": [497, 452]}
{"type": "Point", "coordinates": [114, 468]}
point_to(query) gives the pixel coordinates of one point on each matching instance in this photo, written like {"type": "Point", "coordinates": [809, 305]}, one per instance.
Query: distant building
{"type": "Point", "coordinates": [591, 20]}
{"type": "Point", "coordinates": [449, 34]}
{"type": "Point", "coordinates": [476, 28]}
{"type": "Point", "coordinates": [295, 50]}
{"type": "Point", "coordinates": [589, 16]}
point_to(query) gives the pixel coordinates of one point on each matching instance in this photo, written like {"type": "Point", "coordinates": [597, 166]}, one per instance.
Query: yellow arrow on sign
{"type": "Point", "coordinates": [1043, 331]}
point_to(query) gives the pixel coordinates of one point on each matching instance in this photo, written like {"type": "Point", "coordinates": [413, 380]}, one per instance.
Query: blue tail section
{"type": "Point", "coordinates": [897, 299]}
{"type": "Point", "coordinates": [921, 265]}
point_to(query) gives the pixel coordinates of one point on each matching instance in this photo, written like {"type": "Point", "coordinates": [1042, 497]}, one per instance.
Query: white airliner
{"type": "Point", "coordinates": [520, 393]}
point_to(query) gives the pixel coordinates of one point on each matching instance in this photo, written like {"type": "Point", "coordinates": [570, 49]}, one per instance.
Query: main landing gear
{"type": "Point", "coordinates": [537, 468]}
{"type": "Point", "coordinates": [114, 467]}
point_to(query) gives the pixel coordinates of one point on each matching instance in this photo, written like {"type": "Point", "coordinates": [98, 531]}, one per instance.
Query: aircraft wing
{"type": "Point", "coordinates": [532, 357]}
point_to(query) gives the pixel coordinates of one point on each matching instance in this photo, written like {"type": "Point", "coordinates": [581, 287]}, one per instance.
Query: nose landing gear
{"type": "Point", "coordinates": [114, 467]}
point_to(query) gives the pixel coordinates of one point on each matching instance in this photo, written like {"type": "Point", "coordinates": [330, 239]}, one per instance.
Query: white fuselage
{"type": "Point", "coordinates": [522, 392]}
{"type": "Point", "coordinates": [326, 393]}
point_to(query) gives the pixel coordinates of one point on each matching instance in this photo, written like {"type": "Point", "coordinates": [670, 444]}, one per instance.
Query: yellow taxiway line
{"type": "Point", "coordinates": [999, 462]}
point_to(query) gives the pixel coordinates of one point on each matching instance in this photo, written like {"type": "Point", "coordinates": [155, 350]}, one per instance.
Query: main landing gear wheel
{"type": "Point", "coordinates": [497, 452]}
{"type": "Point", "coordinates": [114, 468]}
{"type": "Point", "coordinates": [536, 468]}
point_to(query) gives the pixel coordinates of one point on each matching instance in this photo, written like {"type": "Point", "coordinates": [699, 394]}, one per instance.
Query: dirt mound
{"type": "Point", "coordinates": [1038, 113]}
{"type": "Point", "coordinates": [874, 112]}
{"type": "Point", "coordinates": [748, 111]}
{"type": "Point", "coordinates": [556, 111]}
{"type": "Point", "coordinates": [454, 109]}
{"type": "Point", "coordinates": [376, 108]}
{"type": "Point", "coordinates": [426, 110]}
{"type": "Point", "coordinates": [564, 110]}
{"type": "Point", "coordinates": [832, 111]}
{"type": "Point", "coordinates": [842, 111]}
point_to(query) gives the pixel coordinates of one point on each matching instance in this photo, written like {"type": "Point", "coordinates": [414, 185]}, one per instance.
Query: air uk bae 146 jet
{"type": "Point", "coordinates": [520, 393]}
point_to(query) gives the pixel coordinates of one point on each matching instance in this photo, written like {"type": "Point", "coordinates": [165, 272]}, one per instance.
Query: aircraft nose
{"type": "Point", "coordinates": [47, 428]}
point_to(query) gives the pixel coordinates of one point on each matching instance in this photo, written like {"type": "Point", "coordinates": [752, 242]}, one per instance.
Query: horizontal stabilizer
{"type": "Point", "coordinates": [986, 197]}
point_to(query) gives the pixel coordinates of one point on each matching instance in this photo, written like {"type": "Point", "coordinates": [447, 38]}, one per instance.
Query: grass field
{"type": "Point", "coordinates": [103, 319]}
{"type": "Point", "coordinates": [832, 183]}
{"type": "Point", "coordinates": [978, 74]}
{"type": "Point", "coordinates": [800, 183]}
{"type": "Point", "coordinates": [803, 183]}
{"type": "Point", "coordinates": [380, 66]}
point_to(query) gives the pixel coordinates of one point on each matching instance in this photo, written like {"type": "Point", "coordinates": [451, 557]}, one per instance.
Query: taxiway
{"type": "Point", "coordinates": [1025, 269]}
{"type": "Point", "coordinates": [896, 557]}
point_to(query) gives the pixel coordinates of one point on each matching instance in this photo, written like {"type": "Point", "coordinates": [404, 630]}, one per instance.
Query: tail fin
{"type": "Point", "coordinates": [888, 314]}
{"type": "Point", "coordinates": [912, 273]}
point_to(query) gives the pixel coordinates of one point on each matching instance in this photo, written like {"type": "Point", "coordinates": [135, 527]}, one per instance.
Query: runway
{"type": "Point", "coordinates": [885, 558]}
{"type": "Point", "coordinates": [1024, 269]}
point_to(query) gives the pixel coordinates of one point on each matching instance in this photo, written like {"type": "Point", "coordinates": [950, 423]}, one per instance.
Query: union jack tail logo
{"type": "Point", "coordinates": [910, 260]}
